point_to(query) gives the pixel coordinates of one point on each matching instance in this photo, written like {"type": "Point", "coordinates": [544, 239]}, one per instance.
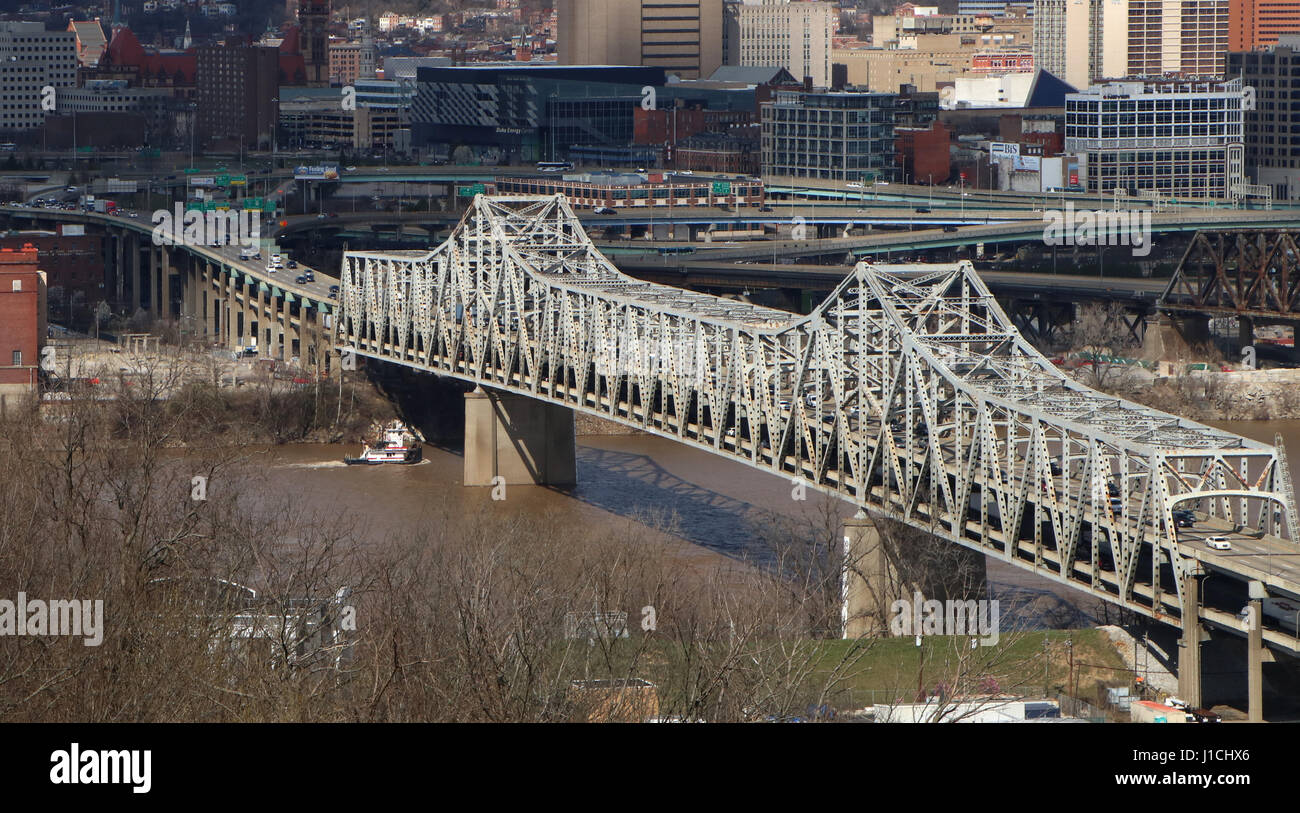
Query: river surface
{"type": "Point", "coordinates": [708, 508]}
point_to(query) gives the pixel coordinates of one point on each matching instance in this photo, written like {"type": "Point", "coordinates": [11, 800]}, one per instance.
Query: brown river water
{"type": "Point", "coordinates": [715, 509]}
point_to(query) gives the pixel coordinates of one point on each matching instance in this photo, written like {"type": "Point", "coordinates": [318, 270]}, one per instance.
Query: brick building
{"type": "Point", "coordinates": [923, 153]}
{"type": "Point", "coordinates": [22, 325]}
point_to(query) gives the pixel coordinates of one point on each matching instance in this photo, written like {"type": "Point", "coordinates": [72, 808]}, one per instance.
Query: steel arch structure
{"type": "Point", "coordinates": [907, 391]}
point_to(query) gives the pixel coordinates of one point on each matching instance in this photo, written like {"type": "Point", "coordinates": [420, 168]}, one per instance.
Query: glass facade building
{"type": "Point", "coordinates": [1180, 138]}
{"type": "Point", "coordinates": [843, 135]}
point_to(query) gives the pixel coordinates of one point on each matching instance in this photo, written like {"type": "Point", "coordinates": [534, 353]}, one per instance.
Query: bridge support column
{"type": "Point", "coordinates": [158, 274]}
{"type": "Point", "coordinates": [119, 268]}
{"type": "Point", "coordinates": [1245, 331]}
{"type": "Point", "coordinates": [231, 310]}
{"type": "Point", "coordinates": [166, 287]}
{"type": "Point", "coordinates": [137, 276]}
{"type": "Point", "coordinates": [1255, 662]}
{"type": "Point", "coordinates": [879, 571]}
{"type": "Point", "coordinates": [519, 439]}
{"type": "Point", "coordinates": [868, 579]}
{"type": "Point", "coordinates": [1189, 645]}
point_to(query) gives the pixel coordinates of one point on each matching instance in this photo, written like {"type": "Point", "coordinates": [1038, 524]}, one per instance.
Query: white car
{"type": "Point", "coordinates": [1218, 542]}
{"type": "Point", "coordinates": [854, 185]}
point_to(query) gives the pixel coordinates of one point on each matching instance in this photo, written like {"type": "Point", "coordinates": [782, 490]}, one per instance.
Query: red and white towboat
{"type": "Point", "coordinates": [396, 444]}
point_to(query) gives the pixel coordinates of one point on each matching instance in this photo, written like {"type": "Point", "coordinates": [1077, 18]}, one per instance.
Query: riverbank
{"type": "Point", "coordinates": [1243, 395]}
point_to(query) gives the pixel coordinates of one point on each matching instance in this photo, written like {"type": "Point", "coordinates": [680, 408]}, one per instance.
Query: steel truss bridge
{"type": "Point", "coordinates": [1251, 273]}
{"type": "Point", "coordinates": [906, 392]}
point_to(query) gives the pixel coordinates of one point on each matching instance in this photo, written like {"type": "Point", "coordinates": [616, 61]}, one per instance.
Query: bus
{"type": "Point", "coordinates": [554, 166]}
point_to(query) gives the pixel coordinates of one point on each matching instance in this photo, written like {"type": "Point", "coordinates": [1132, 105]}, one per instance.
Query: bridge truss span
{"type": "Point", "coordinates": [907, 392]}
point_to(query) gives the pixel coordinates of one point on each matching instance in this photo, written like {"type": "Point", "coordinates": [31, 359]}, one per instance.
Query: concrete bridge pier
{"type": "Point", "coordinates": [1189, 645]}
{"type": "Point", "coordinates": [878, 572]}
{"type": "Point", "coordinates": [1255, 663]}
{"type": "Point", "coordinates": [867, 579]}
{"type": "Point", "coordinates": [522, 440]}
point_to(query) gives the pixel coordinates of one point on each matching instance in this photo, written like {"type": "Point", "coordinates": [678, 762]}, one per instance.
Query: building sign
{"type": "Point", "coordinates": [1026, 163]}
{"type": "Point", "coordinates": [1003, 149]}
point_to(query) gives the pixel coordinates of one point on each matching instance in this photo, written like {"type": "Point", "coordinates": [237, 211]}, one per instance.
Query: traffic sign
{"type": "Point", "coordinates": [472, 190]}
{"type": "Point", "coordinates": [722, 187]}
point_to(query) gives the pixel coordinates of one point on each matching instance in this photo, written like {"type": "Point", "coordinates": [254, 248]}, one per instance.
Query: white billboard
{"type": "Point", "coordinates": [316, 173]}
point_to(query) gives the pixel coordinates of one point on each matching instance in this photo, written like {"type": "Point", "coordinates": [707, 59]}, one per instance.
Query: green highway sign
{"type": "Point", "coordinates": [471, 191]}
{"type": "Point", "coordinates": [722, 187]}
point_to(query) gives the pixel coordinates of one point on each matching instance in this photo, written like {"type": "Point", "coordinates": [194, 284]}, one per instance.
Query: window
{"type": "Point", "coordinates": [18, 285]}
{"type": "Point", "coordinates": [18, 358]}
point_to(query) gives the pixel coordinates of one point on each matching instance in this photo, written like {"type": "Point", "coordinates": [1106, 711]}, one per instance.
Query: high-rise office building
{"type": "Point", "coordinates": [236, 88]}
{"type": "Point", "coordinates": [1089, 41]}
{"type": "Point", "coordinates": [779, 33]}
{"type": "Point", "coordinates": [32, 59]}
{"type": "Point", "coordinates": [1064, 39]}
{"type": "Point", "coordinates": [1161, 37]}
{"type": "Point", "coordinates": [1179, 137]}
{"type": "Point", "coordinates": [1272, 148]}
{"type": "Point", "coordinates": [684, 37]}
{"type": "Point", "coordinates": [1256, 24]}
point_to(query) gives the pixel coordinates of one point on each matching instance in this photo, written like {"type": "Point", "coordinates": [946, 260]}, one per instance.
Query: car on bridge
{"type": "Point", "coordinates": [1218, 542]}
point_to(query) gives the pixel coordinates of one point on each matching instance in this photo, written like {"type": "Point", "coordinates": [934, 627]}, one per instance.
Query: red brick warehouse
{"type": "Point", "coordinates": [22, 325]}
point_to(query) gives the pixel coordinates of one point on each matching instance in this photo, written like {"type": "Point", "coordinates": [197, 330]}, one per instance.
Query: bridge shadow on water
{"type": "Point", "coordinates": [635, 487]}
